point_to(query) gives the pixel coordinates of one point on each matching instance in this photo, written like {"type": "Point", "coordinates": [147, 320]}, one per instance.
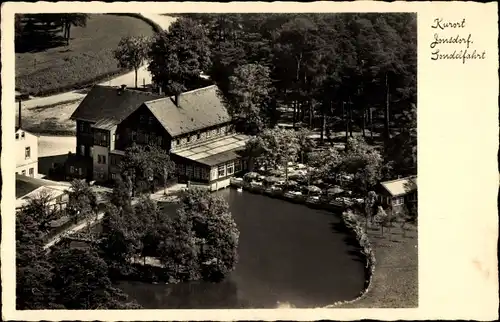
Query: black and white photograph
{"type": "Point", "coordinates": [225, 160]}
{"type": "Point", "coordinates": [221, 161]}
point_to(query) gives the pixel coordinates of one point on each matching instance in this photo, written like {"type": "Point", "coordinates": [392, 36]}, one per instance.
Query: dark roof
{"type": "Point", "coordinates": [198, 109]}
{"type": "Point", "coordinates": [109, 106]}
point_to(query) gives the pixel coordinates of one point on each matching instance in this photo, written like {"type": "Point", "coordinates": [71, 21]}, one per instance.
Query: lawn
{"type": "Point", "coordinates": [395, 282]}
{"type": "Point", "coordinates": [87, 60]}
{"type": "Point", "coordinates": [50, 120]}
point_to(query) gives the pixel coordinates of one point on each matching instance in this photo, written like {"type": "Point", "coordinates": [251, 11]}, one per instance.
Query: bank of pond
{"type": "Point", "coordinates": [289, 254]}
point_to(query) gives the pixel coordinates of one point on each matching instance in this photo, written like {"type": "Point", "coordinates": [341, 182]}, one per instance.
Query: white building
{"type": "Point", "coordinates": [26, 153]}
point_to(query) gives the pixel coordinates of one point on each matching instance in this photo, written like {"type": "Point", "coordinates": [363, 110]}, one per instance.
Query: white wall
{"type": "Point", "coordinates": [23, 163]}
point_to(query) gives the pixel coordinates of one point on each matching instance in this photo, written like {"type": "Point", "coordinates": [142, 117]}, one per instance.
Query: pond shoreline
{"type": "Point", "coordinates": [349, 221]}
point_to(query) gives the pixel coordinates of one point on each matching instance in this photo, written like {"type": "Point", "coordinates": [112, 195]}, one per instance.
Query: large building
{"type": "Point", "coordinates": [26, 150]}
{"type": "Point", "coordinates": [194, 127]}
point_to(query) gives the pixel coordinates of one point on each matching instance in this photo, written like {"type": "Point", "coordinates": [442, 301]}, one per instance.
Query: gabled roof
{"type": "Point", "coordinates": [400, 186]}
{"type": "Point", "coordinates": [110, 105]}
{"type": "Point", "coordinates": [196, 110]}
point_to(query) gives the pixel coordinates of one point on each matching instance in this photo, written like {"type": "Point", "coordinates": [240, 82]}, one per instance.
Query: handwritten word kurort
{"type": "Point", "coordinates": [440, 24]}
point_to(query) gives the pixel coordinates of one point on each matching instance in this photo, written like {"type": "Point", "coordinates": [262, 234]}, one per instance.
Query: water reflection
{"type": "Point", "coordinates": [288, 254]}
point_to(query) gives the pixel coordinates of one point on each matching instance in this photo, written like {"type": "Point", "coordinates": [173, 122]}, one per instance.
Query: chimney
{"type": "Point", "coordinates": [124, 86]}
{"type": "Point", "coordinates": [177, 99]}
{"type": "Point", "coordinates": [159, 90]}
{"type": "Point", "coordinates": [19, 117]}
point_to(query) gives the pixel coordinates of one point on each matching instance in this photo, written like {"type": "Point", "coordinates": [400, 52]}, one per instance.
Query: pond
{"type": "Point", "coordinates": [289, 255]}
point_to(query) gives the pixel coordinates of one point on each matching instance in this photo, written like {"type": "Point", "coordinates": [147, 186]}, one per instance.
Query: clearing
{"type": "Point", "coordinates": [88, 58]}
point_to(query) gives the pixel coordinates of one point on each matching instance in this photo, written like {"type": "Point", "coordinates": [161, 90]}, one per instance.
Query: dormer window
{"type": "Point", "coordinates": [22, 134]}
{"type": "Point", "coordinates": [17, 136]}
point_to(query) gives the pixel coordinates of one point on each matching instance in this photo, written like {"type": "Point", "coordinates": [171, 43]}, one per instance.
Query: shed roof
{"type": "Point", "coordinates": [215, 151]}
{"type": "Point", "coordinates": [400, 186]}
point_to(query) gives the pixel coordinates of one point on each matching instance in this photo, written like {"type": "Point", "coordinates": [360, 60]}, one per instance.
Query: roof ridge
{"type": "Point", "coordinates": [398, 179]}
{"type": "Point", "coordinates": [197, 89]}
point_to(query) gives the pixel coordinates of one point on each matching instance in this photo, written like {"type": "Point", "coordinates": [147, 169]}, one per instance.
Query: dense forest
{"type": "Point", "coordinates": [326, 67]}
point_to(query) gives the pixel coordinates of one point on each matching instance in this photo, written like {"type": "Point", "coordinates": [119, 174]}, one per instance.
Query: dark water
{"type": "Point", "coordinates": [289, 254]}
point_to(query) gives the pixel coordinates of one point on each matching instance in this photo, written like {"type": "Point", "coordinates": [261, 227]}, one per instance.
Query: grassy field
{"type": "Point", "coordinates": [87, 59]}
{"type": "Point", "coordinates": [50, 120]}
{"type": "Point", "coordinates": [395, 282]}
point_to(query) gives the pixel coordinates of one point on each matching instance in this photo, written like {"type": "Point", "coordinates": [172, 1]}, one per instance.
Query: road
{"type": "Point", "coordinates": [143, 75]}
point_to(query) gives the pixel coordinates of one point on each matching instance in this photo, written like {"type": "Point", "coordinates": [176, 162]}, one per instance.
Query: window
{"type": "Point", "coordinates": [146, 138]}
{"type": "Point", "coordinates": [17, 136]}
{"type": "Point", "coordinates": [134, 136]}
{"type": "Point", "coordinates": [150, 120]}
{"type": "Point", "coordinates": [230, 169]}
{"type": "Point", "coordinates": [117, 136]}
{"type": "Point", "coordinates": [222, 171]}
{"type": "Point", "coordinates": [22, 134]}
{"type": "Point", "coordinates": [23, 172]}
{"type": "Point", "coordinates": [204, 174]}
{"type": "Point", "coordinates": [198, 136]}
{"type": "Point", "coordinates": [188, 139]}
{"type": "Point", "coordinates": [189, 171]}
{"type": "Point", "coordinates": [32, 172]}
{"type": "Point", "coordinates": [208, 133]}
{"type": "Point", "coordinates": [113, 176]}
{"type": "Point", "coordinates": [91, 151]}
{"type": "Point", "coordinates": [27, 152]}
{"type": "Point", "coordinates": [177, 142]}
{"type": "Point", "coordinates": [82, 150]}
{"type": "Point", "coordinates": [197, 172]}
{"type": "Point", "coordinates": [82, 127]}
{"type": "Point", "coordinates": [142, 118]}
{"type": "Point", "coordinates": [71, 169]}
{"type": "Point", "coordinates": [181, 169]}
{"type": "Point", "coordinates": [237, 165]}
{"type": "Point", "coordinates": [80, 171]}
{"type": "Point", "coordinates": [160, 139]}
{"type": "Point", "coordinates": [101, 159]}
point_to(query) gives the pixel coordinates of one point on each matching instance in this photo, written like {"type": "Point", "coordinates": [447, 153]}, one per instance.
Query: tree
{"type": "Point", "coordinates": [363, 162]}
{"type": "Point", "coordinates": [215, 231]}
{"type": "Point", "coordinates": [120, 239]}
{"type": "Point", "coordinates": [81, 280]}
{"type": "Point", "coordinates": [249, 89]}
{"type": "Point", "coordinates": [41, 211]}
{"type": "Point", "coordinates": [82, 200]}
{"type": "Point", "coordinates": [178, 57]}
{"type": "Point", "coordinates": [306, 143]}
{"type": "Point", "coordinates": [381, 218]}
{"type": "Point", "coordinates": [142, 166]}
{"type": "Point", "coordinates": [132, 52]}
{"type": "Point", "coordinates": [276, 148]}
{"type": "Point", "coordinates": [33, 269]}
{"type": "Point", "coordinates": [72, 19]}
{"type": "Point", "coordinates": [369, 206]}
{"type": "Point", "coordinates": [405, 220]}
{"type": "Point", "coordinates": [325, 163]}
